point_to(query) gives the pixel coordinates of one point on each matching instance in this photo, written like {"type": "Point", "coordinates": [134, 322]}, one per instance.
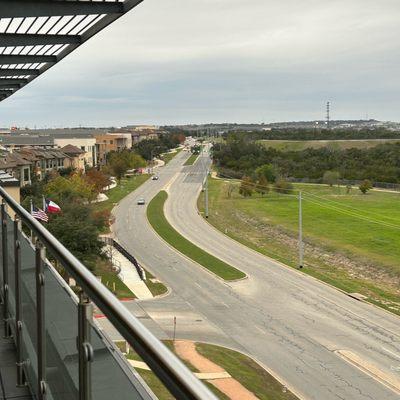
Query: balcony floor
{"type": "Point", "coordinates": [8, 371]}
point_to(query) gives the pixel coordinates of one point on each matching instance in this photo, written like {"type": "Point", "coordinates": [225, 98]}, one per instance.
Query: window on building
{"type": "Point", "coordinates": [26, 174]}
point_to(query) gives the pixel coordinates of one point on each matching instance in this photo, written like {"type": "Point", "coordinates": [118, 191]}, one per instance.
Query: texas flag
{"type": "Point", "coordinates": [52, 207]}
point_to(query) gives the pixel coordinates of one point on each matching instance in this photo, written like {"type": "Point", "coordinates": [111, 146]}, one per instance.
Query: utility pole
{"type": "Point", "coordinates": [301, 247]}
{"type": "Point", "coordinates": [328, 114]}
{"type": "Point", "coordinates": [206, 195]}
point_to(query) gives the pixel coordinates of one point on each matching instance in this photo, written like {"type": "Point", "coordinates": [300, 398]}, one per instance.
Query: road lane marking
{"type": "Point", "coordinates": [391, 352]}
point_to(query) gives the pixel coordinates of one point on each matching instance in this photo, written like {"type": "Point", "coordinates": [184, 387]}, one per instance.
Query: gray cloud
{"type": "Point", "coordinates": [177, 61]}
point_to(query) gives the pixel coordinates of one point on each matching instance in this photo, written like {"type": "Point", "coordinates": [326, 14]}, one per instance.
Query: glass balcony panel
{"type": "Point", "coordinates": [11, 266]}
{"type": "Point", "coordinates": [28, 300]}
{"type": "Point", "coordinates": [61, 321]}
{"type": "Point", "coordinates": [112, 378]}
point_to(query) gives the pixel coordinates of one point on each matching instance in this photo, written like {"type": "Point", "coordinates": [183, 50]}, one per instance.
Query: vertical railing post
{"type": "Point", "coordinates": [4, 249]}
{"type": "Point", "coordinates": [85, 350]}
{"type": "Point", "coordinates": [40, 320]}
{"type": "Point", "coordinates": [18, 301]}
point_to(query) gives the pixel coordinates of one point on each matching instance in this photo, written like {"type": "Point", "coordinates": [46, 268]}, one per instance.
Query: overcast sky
{"type": "Point", "coordinates": [194, 61]}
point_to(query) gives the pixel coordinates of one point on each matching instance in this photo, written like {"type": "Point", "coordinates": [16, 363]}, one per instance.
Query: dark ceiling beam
{"type": "Point", "coordinates": [13, 59]}
{"type": "Point", "coordinates": [19, 82]}
{"type": "Point", "coordinates": [5, 92]}
{"type": "Point", "coordinates": [10, 86]}
{"type": "Point", "coordinates": [19, 72]}
{"type": "Point", "coordinates": [50, 8]}
{"type": "Point", "coordinates": [19, 39]}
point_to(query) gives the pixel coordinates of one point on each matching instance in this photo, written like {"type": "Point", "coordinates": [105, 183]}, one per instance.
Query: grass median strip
{"type": "Point", "coordinates": [192, 159]}
{"type": "Point", "coordinates": [156, 217]}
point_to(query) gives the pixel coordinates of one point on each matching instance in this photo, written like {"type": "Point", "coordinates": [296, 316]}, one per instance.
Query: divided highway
{"type": "Point", "coordinates": [322, 343]}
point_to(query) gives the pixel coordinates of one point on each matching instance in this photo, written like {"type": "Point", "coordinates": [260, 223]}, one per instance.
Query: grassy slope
{"type": "Point", "coordinates": [155, 215]}
{"type": "Point", "coordinates": [241, 368]}
{"type": "Point", "coordinates": [294, 145]}
{"type": "Point", "coordinates": [376, 245]}
{"type": "Point", "coordinates": [191, 160]}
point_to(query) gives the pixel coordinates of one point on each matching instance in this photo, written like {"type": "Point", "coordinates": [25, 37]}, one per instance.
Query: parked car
{"type": "Point", "coordinates": [141, 201]}
{"type": "Point", "coordinates": [154, 177]}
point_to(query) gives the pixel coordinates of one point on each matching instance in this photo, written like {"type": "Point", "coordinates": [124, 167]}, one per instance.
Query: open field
{"type": "Point", "coordinates": [242, 368]}
{"type": "Point", "coordinates": [192, 159]}
{"type": "Point", "coordinates": [155, 215]}
{"type": "Point", "coordinates": [352, 241]}
{"type": "Point", "coordinates": [298, 145]}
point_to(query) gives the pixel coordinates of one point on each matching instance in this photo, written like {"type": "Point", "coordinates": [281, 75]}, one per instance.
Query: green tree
{"type": "Point", "coordinates": [118, 167]}
{"type": "Point", "coordinates": [246, 186]}
{"type": "Point", "coordinates": [331, 178]}
{"type": "Point", "coordinates": [267, 171]}
{"type": "Point", "coordinates": [365, 186]}
{"type": "Point", "coordinates": [78, 231]}
{"type": "Point", "coordinates": [74, 188]}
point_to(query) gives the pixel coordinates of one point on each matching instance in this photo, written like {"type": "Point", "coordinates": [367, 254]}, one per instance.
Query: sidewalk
{"type": "Point", "coordinates": [129, 276]}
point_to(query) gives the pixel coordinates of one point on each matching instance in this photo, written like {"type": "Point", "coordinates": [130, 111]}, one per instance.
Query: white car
{"type": "Point", "coordinates": [141, 201]}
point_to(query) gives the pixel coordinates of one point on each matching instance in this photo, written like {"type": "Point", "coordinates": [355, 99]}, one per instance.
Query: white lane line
{"type": "Point", "coordinates": [226, 305]}
{"type": "Point", "coordinates": [391, 352]}
{"type": "Point", "coordinates": [197, 284]}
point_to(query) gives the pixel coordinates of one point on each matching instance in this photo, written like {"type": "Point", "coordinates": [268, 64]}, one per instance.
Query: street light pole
{"type": "Point", "coordinates": [206, 195]}
{"type": "Point", "coordinates": [301, 246]}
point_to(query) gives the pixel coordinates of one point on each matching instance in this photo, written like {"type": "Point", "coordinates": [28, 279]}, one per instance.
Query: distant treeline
{"type": "Point", "coordinates": [316, 134]}
{"type": "Point", "coordinates": [237, 158]}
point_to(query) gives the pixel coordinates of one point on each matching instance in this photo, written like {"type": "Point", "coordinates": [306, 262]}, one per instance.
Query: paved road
{"type": "Point", "coordinates": [293, 324]}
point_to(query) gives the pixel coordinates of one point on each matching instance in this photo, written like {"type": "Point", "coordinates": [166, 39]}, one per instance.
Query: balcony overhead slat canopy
{"type": "Point", "coordinates": [37, 34]}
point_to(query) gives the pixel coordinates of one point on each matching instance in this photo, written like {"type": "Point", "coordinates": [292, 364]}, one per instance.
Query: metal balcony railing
{"type": "Point", "coordinates": [61, 353]}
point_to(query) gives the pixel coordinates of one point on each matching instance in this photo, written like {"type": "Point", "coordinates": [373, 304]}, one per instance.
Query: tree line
{"type": "Point", "coordinates": [238, 158]}
{"type": "Point", "coordinates": [316, 134]}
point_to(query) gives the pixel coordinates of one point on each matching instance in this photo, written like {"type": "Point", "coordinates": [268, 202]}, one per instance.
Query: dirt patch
{"type": "Point", "coordinates": [187, 351]}
{"type": "Point", "coordinates": [229, 386]}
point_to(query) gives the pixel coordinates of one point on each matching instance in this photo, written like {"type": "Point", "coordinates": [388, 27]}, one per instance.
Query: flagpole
{"type": "Point", "coordinates": [44, 203]}
{"type": "Point", "coordinates": [31, 214]}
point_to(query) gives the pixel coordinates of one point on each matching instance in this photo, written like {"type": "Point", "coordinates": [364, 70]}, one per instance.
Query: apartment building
{"type": "Point", "coordinates": [87, 143]}
{"type": "Point", "coordinates": [106, 143]}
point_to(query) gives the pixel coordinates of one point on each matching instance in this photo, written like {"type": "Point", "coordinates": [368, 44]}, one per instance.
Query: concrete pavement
{"type": "Point", "coordinates": [291, 323]}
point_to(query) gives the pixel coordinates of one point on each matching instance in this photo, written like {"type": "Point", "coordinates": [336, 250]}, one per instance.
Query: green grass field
{"type": "Point", "coordinates": [192, 159]}
{"type": "Point", "coordinates": [242, 368]}
{"type": "Point", "coordinates": [298, 145]}
{"type": "Point", "coordinates": [155, 215]}
{"type": "Point", "coordinates": [352, 240]}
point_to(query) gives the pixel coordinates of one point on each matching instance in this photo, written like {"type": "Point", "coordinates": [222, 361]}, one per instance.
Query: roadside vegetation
{"type": "Point", "coordinates": [242, 368]}
{"type": "Point", "coordinates": [351, 239]}
{"type": "Point", "coordinates": [156, 217]}
{"type": "Point", "coordinates": [240, 157]}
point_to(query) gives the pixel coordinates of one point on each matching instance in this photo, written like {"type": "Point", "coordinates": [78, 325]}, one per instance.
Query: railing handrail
{"type": "Point", "coordinates": [170, 370]}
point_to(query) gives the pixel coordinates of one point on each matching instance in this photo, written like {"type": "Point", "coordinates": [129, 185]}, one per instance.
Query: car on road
{"type": "Point", "coordinates": [154, 178]}
{"type": "Point", "coordinates": [141, 201]}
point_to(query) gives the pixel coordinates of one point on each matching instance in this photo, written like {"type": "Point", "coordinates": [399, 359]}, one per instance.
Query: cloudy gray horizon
{"type": "Point", "coordinates": [186, 61]}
